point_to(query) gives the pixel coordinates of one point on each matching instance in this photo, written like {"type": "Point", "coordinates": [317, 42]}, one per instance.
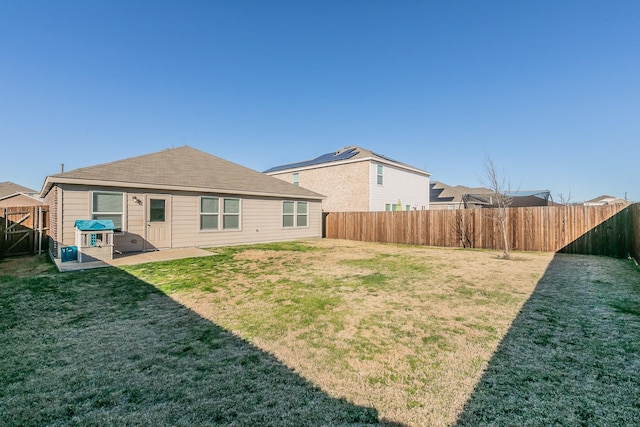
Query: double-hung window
{"type": "Point", "coordinates": [379, 175]}
{"type": "Point", "coordinates": [295, 214]}
{"type": "Point", "coordinates": [108, 205]}
{"type": "Point", "coordinates": [231, 214]}
{"type": "Point", "coordinates": [212, 217]}
{"type": "Point", "coordinates": [296, 179]}
{"type": "Point", "coordinates": [209, 213]}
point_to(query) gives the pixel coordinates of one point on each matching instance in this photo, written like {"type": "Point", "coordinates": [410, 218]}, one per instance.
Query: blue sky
{"type": "Point", "coordinates": [549, 89]}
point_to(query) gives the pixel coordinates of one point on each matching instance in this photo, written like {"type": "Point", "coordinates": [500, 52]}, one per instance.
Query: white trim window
{"type": "Point", "coordinates": [210, 213]}
{"type": "Point", "coordinates": [108, 205]}
{"type": "Point", "coordinates": [296, 179]}
{"type": "Point", "coordinates": [231, 214]}
{"type": "Point", "coordinates": [295, 214]}
{"type": "Point", "coordinates": [379, 176]}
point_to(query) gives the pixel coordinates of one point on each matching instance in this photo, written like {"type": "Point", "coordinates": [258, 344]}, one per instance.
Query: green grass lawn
{"type": "Point", "coordinates": [103, 348]}
{"type": "Point", "coordinates": [572, 356]}
{"type": "Point", "coordinates": [323, 332]}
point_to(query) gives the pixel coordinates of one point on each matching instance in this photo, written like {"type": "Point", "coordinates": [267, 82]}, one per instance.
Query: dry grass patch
{"type": "Point", "coordinates": [407, 330]}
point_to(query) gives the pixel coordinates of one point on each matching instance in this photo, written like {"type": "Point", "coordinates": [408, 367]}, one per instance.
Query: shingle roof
{"type": "Point", "coordinates": [349, 153]}
{"type": "Point", "coordinates": [184, 168]}
{"type": "Point", "coordinates": [8, 188]}
{"type": "Point", "coordinates": [443, 193]}
{"type": "Point", "coordinates": [606, 200]}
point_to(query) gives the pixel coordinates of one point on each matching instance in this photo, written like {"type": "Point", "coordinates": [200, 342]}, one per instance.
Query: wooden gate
{"type": "Point", "coordinates": [23, 230]}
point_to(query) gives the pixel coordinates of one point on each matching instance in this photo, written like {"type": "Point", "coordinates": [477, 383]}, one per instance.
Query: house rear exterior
{"type": "Point", "coordinates": [178, 198]}
{"type": "Point", "coordinates": [358, 180]}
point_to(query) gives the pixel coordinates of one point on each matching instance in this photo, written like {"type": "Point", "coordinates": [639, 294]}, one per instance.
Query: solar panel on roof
{"type": "Point", "coordinates": [325, 158]}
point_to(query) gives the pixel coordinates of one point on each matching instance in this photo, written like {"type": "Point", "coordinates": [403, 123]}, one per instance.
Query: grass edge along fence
{"type": "Point", "coordinates": [612, 230]}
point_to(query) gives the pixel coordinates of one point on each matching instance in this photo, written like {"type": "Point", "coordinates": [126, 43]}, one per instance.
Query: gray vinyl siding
{"type": "Point", "coordinates": [52, 201]}
{"type": "Point", "coordinates": [132, 240]}
{"type": "Point", "coordinates": [75, 205]}
{"type": "Point", "coordinates": [261, 219]}
{"type": "Point", "coordinates": [398, 185]}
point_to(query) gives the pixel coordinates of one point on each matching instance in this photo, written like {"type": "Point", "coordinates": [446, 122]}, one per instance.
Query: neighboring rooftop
{"type": "Point", "coordinates": [441, 193]}
{"type": "Point", "coordinates": [606, 200]}
{"type": "Point", "coordinates": [350, 153]}
{"type": "Point", "coordinates": [8, 188]}
{"type": "Point", "coordinates": [184, 168]}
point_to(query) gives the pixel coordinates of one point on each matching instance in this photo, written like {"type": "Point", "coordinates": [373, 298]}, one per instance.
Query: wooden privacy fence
{"type": "Point", "coordinates": [547, 229]}
{"type": "Point", "coordinates": [611, 237]}
{"type": "Point", "coordinates": [23, 230]}
{"type": "Point", "coordinates": [635, 230]}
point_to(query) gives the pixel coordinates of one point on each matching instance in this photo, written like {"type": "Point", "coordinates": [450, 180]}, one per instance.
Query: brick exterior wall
{"type": "Point", "coordinates": [346, 186]}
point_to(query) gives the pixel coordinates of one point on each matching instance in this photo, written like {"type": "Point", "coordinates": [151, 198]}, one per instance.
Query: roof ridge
{"type": "Point", "coordinates": [180, 168]}
{"type": "Point", "coordinates": [350, 152]}
{"type": "Point", "coordinates": [61, 174]}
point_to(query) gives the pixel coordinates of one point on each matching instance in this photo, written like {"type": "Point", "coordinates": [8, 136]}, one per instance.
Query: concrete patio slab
{"type": "Point", "coordinates": [133, 258]}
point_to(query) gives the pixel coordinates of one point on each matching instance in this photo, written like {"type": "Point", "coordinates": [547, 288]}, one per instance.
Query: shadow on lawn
{"type": "Point", "coordinates": [571, 356]}
{"type": "Point", "coordinates": [104, 348]}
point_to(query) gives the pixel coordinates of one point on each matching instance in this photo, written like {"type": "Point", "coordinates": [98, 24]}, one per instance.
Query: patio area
{"type": "Point", "coordinates": [132, 258]}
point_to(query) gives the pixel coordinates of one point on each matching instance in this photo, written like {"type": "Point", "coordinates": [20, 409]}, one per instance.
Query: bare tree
{"type": "Point", "coordinates": [500, 199]}
{"type": "Point", "coordinates": [461, 230]}
{"type": "Point", "coordinates": [564, 199]}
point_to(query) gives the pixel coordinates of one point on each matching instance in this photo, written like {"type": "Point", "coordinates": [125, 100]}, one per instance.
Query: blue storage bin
{"type": "Point", "coordinates": [69, 253]}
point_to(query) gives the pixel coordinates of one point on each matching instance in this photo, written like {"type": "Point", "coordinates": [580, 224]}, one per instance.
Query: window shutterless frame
{"type": "Point", "coordinates": [231, 214]}
{"type": "Point", "coordinates": [209, 213]}
{"type": "Point", "coordinates": [108, 205]}
{"type": "Point", "coordinates": [220, 213]}
{"type": "Point", "coordinates": [295, 214]}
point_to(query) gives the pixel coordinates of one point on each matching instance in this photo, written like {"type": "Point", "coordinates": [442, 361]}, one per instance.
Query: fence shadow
{"type": "Point", "coordinates": [613, 237]}
{"type": "Point", "coordinates": [571, 355]}
{"type": "Point", "coordinates": [102, 347]}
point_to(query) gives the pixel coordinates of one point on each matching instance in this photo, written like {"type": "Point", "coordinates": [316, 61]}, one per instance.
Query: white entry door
{"type": "Point", "coordinates": [158, 219]}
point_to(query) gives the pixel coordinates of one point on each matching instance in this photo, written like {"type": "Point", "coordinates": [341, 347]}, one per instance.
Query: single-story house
{"type": "Point", "coordinates": [518, 199]}
{"type": "Point", "coordinates": [179, 197]}
{"type": "Point", "coordinates": [15, 195]}
{"type": "Point", "coordinates": [355, 179]}
{"type": "Point", "coordinates": [449, 197]}
{"type": "Point", "coordinates": [606, 200]}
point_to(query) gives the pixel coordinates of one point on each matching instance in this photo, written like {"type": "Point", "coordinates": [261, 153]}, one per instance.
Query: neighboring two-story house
{"type": "Point", "coordinates": [354, 179]}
